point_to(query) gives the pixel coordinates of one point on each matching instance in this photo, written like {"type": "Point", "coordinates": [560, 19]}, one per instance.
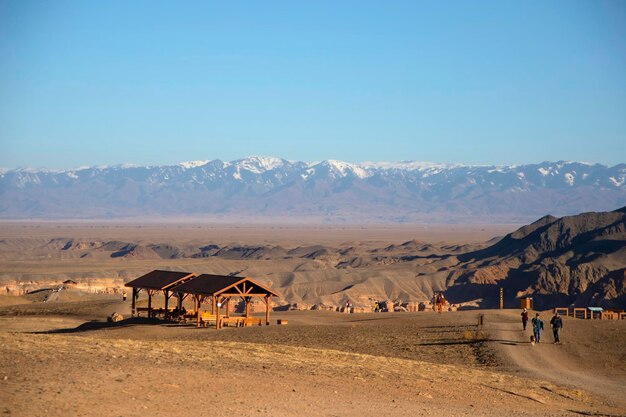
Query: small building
{"type": "Point", "coordinates": [526, 302]}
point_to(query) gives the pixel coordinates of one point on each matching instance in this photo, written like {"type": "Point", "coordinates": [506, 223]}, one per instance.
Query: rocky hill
{"type": "Point", "coordinates": [578, 260]}
{"type": "Point", "coordinates": [327, 191]}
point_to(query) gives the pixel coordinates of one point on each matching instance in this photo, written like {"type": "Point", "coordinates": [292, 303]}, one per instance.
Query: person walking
{"type": "Point", "coordinates": [557, 325]}
{"type": "Point", "coordinates": [537, 328]}
{"type": "Point", "coordinates": [440, 302]}
{"type": "Point", "coordinates": [524, 318]}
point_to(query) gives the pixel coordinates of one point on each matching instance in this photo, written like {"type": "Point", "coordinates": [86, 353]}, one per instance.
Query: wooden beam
{"type": "Point", "coordinates": [239, 290]}
{"type": "Point", "coordinates": [132, 304]}
{"type": "Point", "coordinates": [267, 310]}
{"type": "Point", "coordinates": [243, 287]}
{"type": "Point", "coordinates": [216, 308]}
{"type": "Point", "coordinates": [248, 294]}
{"type": "Point", "coordinates": [196, 307]}
{"type": "Point", "coordinates": [167, 299]}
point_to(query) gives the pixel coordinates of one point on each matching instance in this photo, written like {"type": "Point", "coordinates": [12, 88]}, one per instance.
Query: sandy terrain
{"type": "Point", "coordinates": [308, 265]}
{"type": "Point", "coordinates": [59, 357]}
{"type": "Point", "coordinates": [65, 360]}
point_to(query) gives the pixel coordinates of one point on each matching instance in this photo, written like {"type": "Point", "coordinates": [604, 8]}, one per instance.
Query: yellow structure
{"type": "Point", "coordinates": [526, 302]}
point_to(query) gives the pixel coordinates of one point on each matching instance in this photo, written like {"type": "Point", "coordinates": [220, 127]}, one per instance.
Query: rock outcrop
{"type": "Point", "coordinates": [575, 260]}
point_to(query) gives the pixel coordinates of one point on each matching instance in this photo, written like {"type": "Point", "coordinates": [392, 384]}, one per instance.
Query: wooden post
{"type": "Point", "coordinates": [213, 304]}
{"type": "Point", "coordinates": [166, 293]}
{"type": "Point", "coordinates": [196, 308]}
{"type": "Point", "coordinates": [247, 301]}
{"type": "Point", "coordinates": [228, 307]}
{"type": "Point", "coordinates": [216, 308]}
{"type": "Point", "coordinates": [133, 301]}
{"type": "Point", "coordinates": [267, 310]}
{"type": "Point", "coordinates": [501, 298]}
{"type": "Point", "coordinates": [149, 303]}
{"type": "Point", "coordinates": [180, 302]}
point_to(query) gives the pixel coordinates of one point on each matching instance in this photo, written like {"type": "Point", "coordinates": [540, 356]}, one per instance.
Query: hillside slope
{"type": "Point", "coordinates": [576, 260]}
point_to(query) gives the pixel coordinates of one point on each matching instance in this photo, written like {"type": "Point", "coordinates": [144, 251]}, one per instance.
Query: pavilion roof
{"type": "Point", "coordinates": [160, 280]}
{"type": "Point", "coordinates": [207, 284]}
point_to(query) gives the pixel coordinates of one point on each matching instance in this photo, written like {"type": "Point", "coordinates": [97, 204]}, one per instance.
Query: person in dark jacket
{"type": "Point", "coordinates": [537, 327]}
{"type": "Point", "coordinates": [557, 326]}
{"type": "Point", "coordinates": [524, 318]}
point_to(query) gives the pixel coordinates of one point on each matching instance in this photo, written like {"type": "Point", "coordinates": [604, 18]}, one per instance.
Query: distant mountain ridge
{"type": "Point", "coordinates": [330, 191]}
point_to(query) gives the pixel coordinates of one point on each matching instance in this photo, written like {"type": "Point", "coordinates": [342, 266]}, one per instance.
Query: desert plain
{"type": "Point", "coordinates": [60, 356]}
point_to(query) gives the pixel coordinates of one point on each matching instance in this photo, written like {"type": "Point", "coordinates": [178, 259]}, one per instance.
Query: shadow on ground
{"type": "Point", "coordinates": [100, 325]}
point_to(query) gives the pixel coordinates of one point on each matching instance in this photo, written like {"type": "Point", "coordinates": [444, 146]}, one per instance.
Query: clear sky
{"type": "Point", "coordinates": [156, 82]}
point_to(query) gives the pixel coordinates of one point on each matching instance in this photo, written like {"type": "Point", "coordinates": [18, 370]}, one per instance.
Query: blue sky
{"type": "Point", "coordinates": [155, 82]}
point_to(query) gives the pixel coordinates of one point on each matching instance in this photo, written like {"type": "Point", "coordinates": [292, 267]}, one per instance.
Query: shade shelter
{"type": "Point", "coordinates": [155, 281]}
{"type": "Point", "coordinates": [219, 289]}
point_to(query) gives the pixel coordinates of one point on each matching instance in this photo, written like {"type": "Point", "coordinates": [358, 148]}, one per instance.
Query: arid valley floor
{"type": "Point", "coordinates": [59, 356]}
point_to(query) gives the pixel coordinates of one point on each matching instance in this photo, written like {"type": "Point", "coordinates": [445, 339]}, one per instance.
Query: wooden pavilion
{"type": "Point", "coordinates": [156, 281]}
{"type": "Point", "coordinates": [219, 289]}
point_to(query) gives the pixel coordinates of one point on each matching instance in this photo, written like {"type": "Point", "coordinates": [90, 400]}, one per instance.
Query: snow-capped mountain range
{"type": "Point", "coordinates": [265, 187]}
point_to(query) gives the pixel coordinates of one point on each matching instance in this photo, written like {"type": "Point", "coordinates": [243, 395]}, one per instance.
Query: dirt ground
{"type": "Point", "coordinates": [59, 356]}
{"type": "Point", "coordinates": [65, 360]}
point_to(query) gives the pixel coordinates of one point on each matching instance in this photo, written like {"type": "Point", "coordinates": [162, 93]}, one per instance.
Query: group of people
{"type": "Point", "coordinates": [556, 323]}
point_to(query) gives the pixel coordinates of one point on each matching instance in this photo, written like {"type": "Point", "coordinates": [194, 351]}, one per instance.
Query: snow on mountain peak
{"type": "Point", "coordinates": [259, 164]}
{"type": "Point", "coordinates": [193, 164]}
{"type": "Point", "coordinates": [406, 165]}
{"type": "Point", "coordinates": [343, 168]}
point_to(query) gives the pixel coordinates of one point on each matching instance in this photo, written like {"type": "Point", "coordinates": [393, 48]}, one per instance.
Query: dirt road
{"type": "Point", "coordinates": [591, 357]}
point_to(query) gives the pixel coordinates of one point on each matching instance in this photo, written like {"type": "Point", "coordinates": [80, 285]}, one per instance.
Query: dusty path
{"type": "Point", "coordinates": [573, 364]}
